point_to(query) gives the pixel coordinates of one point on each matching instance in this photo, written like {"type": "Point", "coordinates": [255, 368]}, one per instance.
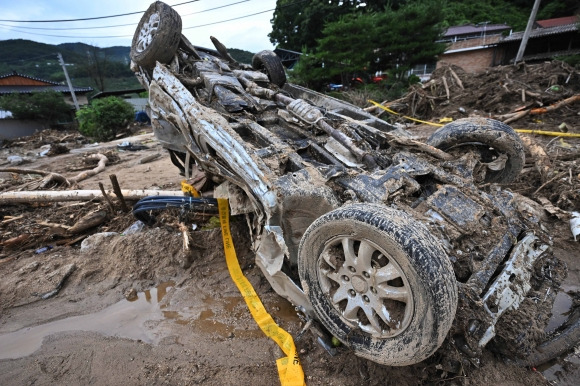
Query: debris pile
{"type": "Point", "coordinates": [542, 97]}
{"type": "Point", "coordinates": [505, 93]}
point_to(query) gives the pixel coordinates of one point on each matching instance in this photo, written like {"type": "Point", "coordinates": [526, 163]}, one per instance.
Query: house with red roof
{"type": "Point", "coordinates": [548, 39]}
{"type": "Point", "coordinates": [24, 84]}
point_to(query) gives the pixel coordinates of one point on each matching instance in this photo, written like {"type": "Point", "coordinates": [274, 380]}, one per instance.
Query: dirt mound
{"type": "Point", "coordinates": [496, 92]}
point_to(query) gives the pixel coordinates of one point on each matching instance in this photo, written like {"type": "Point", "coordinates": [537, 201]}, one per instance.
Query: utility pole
{"type": "Point", "coordinates": [70, 86]}
{"type": "Point", "coordinates": [524, 42]}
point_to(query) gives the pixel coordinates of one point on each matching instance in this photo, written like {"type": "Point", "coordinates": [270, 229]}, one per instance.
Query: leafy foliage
{"type": "Point", "coordinates": [394, 39]}
{"type": "Point", "coordinates": [48, 106]}
{"type": "Point", "coordinates": [104, 117]}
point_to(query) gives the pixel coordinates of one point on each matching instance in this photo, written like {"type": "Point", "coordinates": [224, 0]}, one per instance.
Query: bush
{"type": "Point", "coordinates": [103, 118]}
{"type": "Point", "coordinates": [47, 106]}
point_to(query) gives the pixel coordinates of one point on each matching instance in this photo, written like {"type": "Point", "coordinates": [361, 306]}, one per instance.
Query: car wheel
{"type": "Point", "coordinates": [271, 64]}
{"type": "Point", "coordinates": [493, 140]}
{"type": "Point", "coordinates": [379, 281]}
{"type": "Point", "coordinates": [157, 36]}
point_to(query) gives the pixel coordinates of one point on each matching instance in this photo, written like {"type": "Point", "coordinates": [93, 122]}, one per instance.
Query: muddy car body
{"type": "Point", "coordinates": [392, 245]}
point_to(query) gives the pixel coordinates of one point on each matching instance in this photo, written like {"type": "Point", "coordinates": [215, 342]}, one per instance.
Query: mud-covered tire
{"type": "Point", "coordinates": [558, 343]}
{"type": "Point", "coordinates": [364, 258]}
{"type": "Point", "coordinates": [157, 36]}
{"type": "Point", "coordinates": [491, 136]}
{"type": "Point", "coordinates": [269, 62]}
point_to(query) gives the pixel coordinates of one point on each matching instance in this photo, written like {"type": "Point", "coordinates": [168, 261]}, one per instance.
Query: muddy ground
{"type": "Point", "coordinates": [136, 309]}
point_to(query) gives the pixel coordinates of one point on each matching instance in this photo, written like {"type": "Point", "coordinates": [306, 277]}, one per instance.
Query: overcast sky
{"type": "Point", "coordinates": [201, 19]}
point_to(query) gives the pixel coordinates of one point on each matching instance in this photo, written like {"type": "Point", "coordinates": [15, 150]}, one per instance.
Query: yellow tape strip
{"type": "Point", "coordinates": [189, 189]}
{"type": "Point", "coordinates": [404, 116]}
{"type": "Point", "coordinates": [550, 133]}
{"type": "Point", "coordinates": [289, 368]}
{"type": "Point", "coordinates": [524, 131]}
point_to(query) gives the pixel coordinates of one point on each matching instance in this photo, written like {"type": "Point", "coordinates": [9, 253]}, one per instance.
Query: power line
{"type": "Point", "coordinates": [86, 18]}
{"type": "Point", "coordinates": [119, 25]}
{"type": "Point", "coordinates": [243, 17]}
{"type": "Point", "coordinates": [18, 29]}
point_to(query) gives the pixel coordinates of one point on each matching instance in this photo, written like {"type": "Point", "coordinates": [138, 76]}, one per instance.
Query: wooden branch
{"type": "Point", "coordinates": [454, 75]}
{"type": "Point", "coordinates": [78, 195]}
{"type": "Point", "coordinates": [51, 177]}
{"type": "Point", "coordinates": [24, 171]}
{"type": "Point", "coordinates": [427, 149]}
{"type": "Point", "coordinates": [89, 173]}
{"type": "Point", "coordinates": [89, 221]}
{"type": "Point", "coordinates": [106, 196]}
{"type": "Point", "coordinates": [517, 116]}
{"type": "Point", "coordinates": [118, 193]}
{"type": "Point", "coordinates": [555, 106]}
{"type": "Point", "coordinates": [542, 160]}
{"type": "Point", "coordinates": [446, 86]}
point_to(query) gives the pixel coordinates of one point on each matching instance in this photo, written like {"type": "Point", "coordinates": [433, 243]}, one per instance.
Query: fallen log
{"type": "Point", "coordinates": [89, 173]}
{"type": "Point", "coordinates": [51, 177]}
{"type": "Point", "coordinates": [542, 161]}
{"type": "Point", "coordinates": [555, 106]}
{"type": "Point", "coordinates": [89, 221]}
{"type": "Point", "coordinates": [79, 195]}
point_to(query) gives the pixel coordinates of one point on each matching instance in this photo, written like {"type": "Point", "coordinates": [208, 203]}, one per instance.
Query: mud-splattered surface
{"type": "Point", "coordinates": [136, 309]}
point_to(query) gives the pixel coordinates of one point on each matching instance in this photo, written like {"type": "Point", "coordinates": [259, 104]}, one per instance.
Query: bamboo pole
{"type": "Point", "coordinates": [79, 195]}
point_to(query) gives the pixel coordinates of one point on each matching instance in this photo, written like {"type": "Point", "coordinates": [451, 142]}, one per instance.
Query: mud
{"type": "Point", "coordinates": [138, 309]}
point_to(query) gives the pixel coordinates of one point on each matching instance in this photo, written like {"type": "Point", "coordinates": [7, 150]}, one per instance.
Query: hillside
{"type": "Point", "coordinates": [103, 69]}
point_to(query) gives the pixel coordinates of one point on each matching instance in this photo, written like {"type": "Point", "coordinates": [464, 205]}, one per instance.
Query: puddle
{"type": "Point", "coordinates": [222, 318]}
{"type": "Point", "coordinates": [125, 319]}
{"type": "Point", "coordinates": [560, 311]}
{"type": "Point", "coordinates": [564, 370]}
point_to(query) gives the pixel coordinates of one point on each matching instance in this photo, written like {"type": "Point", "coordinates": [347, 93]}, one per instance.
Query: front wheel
{"type": "Point", "coordinates": [380, 282]}
{"type": "Point", "coordinates": [500, 149]}
{"type": "Point", "coordinates": [157, 36]}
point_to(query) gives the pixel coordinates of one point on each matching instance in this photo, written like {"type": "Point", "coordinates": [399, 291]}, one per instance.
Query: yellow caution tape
{"type": "Point", "coordinates": [524, 131]}
{"type": "Point", "coordinates": [189, 190]}
{"type": "Point", "coordinates": [550, 133]}
{"type": "Point", "coordinates": [289, 368]}
{"type": "Point", "coordinates": [404, 116]}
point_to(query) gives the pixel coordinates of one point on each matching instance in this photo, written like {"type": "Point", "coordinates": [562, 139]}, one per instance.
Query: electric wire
{"type": "Point", "coordinates": [120, 25]}
{"type": "Point", "coordinates": [87, 18]}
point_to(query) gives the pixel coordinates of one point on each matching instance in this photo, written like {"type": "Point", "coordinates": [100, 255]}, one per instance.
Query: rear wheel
{"type": "Point", "coordinates": [157, 36]}
{"type": "Point", "coordinates": [379, 282]}
{"type": "Point", "coordinates": [500, 148]}
{"type": "Point", "coordinates": [271, 64]}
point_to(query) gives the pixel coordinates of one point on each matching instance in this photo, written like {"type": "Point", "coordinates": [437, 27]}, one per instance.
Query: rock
{"type": "Point", "coordinates": [131, 295]}
{"type": "Point", "coordinates": [15, 159]}
{"type": "Point", "coordinates": [95, 240]}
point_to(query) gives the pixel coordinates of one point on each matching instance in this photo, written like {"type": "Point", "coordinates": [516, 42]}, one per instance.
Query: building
{"type": "Point", "coordinates": [548, 39]}
{"type": "Point", "coordinates": [472, 46]}
{"type": "Point", "coordinates": [24, 84]}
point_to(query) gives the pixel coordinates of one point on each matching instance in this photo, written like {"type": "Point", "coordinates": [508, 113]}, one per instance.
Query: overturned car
{"type": "Point", "coordinates": [391, 245]}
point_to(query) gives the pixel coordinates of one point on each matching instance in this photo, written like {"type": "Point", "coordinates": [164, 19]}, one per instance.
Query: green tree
{"type": "Point", "coordinates": [394, 39]}
{"type": "Point", "coordinates": [47, 106]}
{"type": "Point", "coordinates": [103, 118]}
{"type": "Point", "coordinates": [408, 36]}
{"type": "Point", "coordinates": [297, 24]}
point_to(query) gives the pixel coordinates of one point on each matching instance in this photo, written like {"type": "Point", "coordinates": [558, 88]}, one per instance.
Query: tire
{"type": "Point", "coordinates": [491, 138]}
{"type": "Point", "coordinates": [401, 270]}
{"type": "Point", "coordinates": [271, 64]}
{"type": "Point", "coordinates": [557, 344]}
{"type": "Point", "coordinates": [157, 36]}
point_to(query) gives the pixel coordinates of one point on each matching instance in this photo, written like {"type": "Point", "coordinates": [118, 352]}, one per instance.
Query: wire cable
{"type": "Point", "coordinates": [87, 18]}
{"type": "Point", "coordinates": [120, 25]}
